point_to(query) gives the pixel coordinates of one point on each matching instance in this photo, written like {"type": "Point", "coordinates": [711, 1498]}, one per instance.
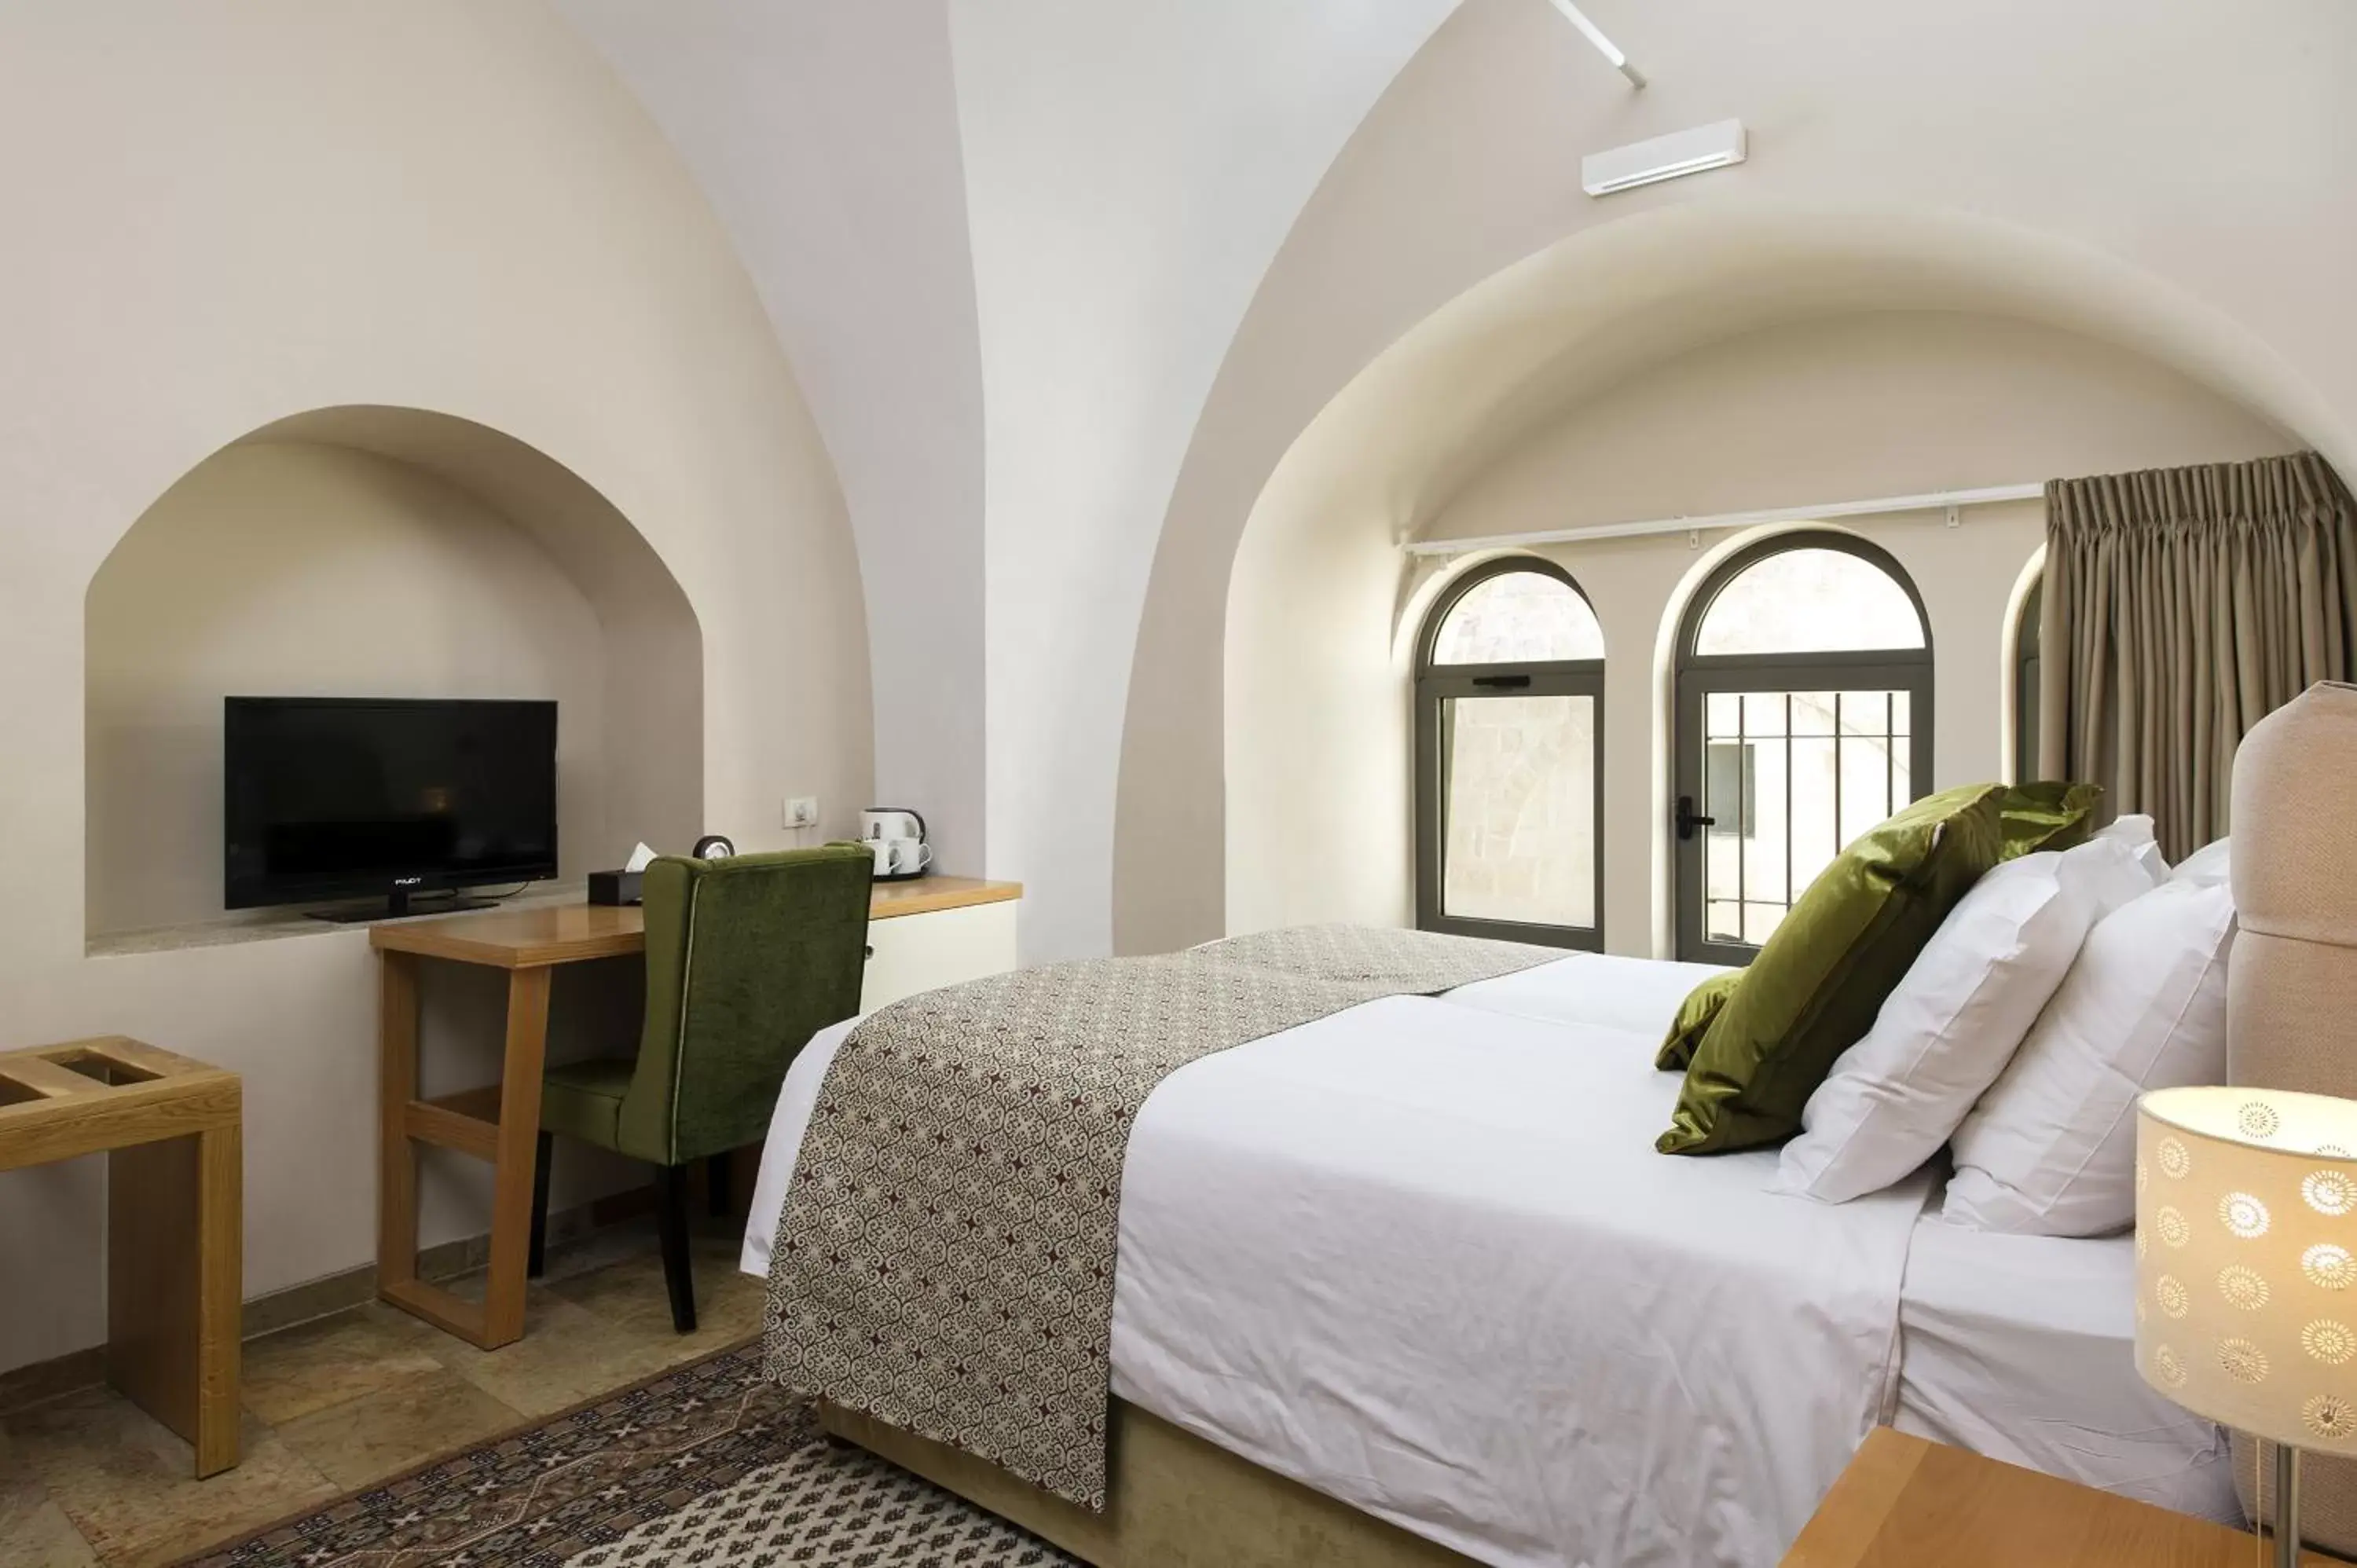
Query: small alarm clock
{"type": "Point", "coordinates": [713, 846]}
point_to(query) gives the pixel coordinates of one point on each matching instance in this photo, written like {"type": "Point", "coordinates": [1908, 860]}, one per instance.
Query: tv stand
{"type": "Point", "coordinates": [398, 903]}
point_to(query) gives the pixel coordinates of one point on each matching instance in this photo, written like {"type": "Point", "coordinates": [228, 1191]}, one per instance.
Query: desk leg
{"type": "Point", "coordinates": [175, 1270]}
{"type": "Point", "coordinates": [220, 1219]}
{"type": "Point", "coordinates": [396, 1191]}
{"type": "Point", "coordinates": [518, 1138]}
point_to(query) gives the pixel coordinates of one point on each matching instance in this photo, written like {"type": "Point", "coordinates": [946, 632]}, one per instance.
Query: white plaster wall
{"type": "Point", "coordinates": [220, 215]}
{"type": "Point", "coordinates": [1130, 171]}
{"type": "Point", "coordinates": [826, 136]}
{"type": "Point", "coordinates": [2127, 171]}
{"type": "Point", "coordinates": [1835, 408]}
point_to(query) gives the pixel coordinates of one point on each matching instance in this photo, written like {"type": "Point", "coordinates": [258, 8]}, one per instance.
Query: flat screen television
{"type": "Point", "coordinates": [346, 797]}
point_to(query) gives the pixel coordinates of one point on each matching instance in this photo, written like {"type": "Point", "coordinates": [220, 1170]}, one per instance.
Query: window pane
{"type": "Point", "coordinates": [1520, 840]}
{"type": "Point", "coordinates": [1729, 797]}
{"type": "Point", "coordinates": [1730, 787]}
{"type": "Point", "coordinates": [1518, 617]}
{"type": "Point", "coordinates": [1869, 791]}
{"type": "Point", "coordinates": [1810, 771]}
{"type": "Point", "coordinates": [1810, 601]}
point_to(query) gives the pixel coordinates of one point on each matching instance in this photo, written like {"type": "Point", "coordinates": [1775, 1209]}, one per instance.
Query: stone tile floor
{"type": "Point", "coordinates": [87, 1478]}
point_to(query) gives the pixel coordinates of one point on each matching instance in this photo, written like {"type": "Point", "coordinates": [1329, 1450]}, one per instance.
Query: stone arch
{"type": "Point", "coordinates": [1316, 580]}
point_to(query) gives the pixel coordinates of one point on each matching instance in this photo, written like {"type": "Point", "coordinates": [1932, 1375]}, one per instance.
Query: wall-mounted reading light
{"type": "Point", "coordinates": [1663, 158]}
{"type": "Point", "coordinates": [1604, 45]}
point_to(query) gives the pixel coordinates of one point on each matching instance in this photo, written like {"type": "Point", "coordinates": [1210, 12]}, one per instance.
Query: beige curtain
{"type": "Point", "coordinates": [2181, 606]}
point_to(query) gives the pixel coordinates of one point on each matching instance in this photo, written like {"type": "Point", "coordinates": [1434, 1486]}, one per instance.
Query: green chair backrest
{"type": "Point", "coordinates": [747, 958]}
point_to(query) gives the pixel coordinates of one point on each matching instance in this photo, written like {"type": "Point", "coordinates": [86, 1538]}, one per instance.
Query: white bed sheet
{"type": "Point", "coordinates": [1429, 1263]}
{"type": "Point", "coordinates": [1640, 995]}
{"type": "Point", "coordinates": [2023, 1348]}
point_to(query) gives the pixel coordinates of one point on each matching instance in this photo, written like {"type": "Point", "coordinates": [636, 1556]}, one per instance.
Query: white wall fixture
{"type": "Point", "coordinates": [1948, 502]}
{"type": "Point", "coordinates": [1604, 45]}
{"type": "Point", "coordinates": [1708, 147]}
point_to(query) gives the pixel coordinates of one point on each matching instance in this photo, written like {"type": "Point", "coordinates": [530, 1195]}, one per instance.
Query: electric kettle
{"type": "Point", "coordinates": [896, 835]}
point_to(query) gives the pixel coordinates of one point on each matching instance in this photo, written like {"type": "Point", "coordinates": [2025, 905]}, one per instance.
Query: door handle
{"type": "Point", "coordinates": [1509, 682]}
{"type": "Point", "coordinates": [1689, 819]}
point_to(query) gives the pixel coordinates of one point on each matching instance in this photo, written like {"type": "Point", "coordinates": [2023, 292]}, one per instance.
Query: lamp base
{"type": "Point", "coordinates": [2283, 1516]}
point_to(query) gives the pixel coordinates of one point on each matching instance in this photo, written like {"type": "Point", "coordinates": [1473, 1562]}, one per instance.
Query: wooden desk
{"type": "Point", "coordinates": [1906, 1503]}
{"type": "Point", "coordinates": [170, 1129]}
{"type": "Point", "coordinates": [501, 1123]}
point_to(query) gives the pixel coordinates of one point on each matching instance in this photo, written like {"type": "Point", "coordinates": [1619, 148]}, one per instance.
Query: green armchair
{"type": "Point", "coordinates": [747, 958]}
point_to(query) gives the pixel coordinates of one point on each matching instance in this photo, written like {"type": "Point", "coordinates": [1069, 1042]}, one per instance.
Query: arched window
{"type": "Point", "coordinates": [1803, 719]}
{"type": "Point", "coordinates": [1509, 726]}
{"type": "Point", "coordinates": [2025, 685]}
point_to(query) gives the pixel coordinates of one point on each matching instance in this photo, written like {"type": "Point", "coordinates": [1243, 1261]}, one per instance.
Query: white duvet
{"type": "Point", "coordinates": [1422, 1256]}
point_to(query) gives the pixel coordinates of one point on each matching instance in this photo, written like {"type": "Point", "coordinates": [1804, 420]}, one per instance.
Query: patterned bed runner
{"type": "Point", "coordinates": [946, 1259]}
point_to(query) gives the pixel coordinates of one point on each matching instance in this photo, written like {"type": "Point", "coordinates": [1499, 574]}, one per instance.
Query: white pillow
{"type": "Point", "coordinates": [2209, 863]}
{"type": "Point", "coordinates": [2051, 1149]}
{"type": "Point", "coordinates": [1955, 1019]}
{"type": "Point", "coordinates": [2135, 832]}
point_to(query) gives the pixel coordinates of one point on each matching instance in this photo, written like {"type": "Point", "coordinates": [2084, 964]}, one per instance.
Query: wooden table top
{"type": "Point", "coordinates": [1906, 1503]}
{"type": "Point", "coordinates": [83, 1096]}
{"type": "Point", "coordinates": [571, 933]}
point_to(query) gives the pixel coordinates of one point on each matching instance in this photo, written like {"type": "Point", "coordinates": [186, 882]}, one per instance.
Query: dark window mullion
{"type": "Point", "coordinates": [1890, 749]}
{"type": "Point", "coordinates": [1742, 828]}
{"type": "Point", "coordinates": [1838, 759]}
{"type": "Point", "coordinates": [1787, 801]}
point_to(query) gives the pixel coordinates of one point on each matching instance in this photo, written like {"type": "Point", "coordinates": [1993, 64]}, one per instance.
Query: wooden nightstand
{"type": "Point", "coordinates": [1906, 1503]}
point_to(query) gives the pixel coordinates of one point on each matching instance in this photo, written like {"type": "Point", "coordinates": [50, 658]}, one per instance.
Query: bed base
{"type": "Point", "coordinates": [1178, 1502]}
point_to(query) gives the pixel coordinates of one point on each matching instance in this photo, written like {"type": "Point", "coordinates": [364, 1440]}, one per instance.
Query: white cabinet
{"type": "Point", "coordinates": [908, 953]}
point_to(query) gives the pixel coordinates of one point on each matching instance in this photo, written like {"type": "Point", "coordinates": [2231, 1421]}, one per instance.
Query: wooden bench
{"type": "Point", "coordinates": [171, 1130]}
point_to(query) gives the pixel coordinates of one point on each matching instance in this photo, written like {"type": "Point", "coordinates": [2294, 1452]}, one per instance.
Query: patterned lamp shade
{"type": "Point", "coordinates": [2246, 1260]}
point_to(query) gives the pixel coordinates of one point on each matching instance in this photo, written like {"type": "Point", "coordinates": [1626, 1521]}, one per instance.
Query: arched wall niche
{"type": "Point", "coordinates": [377, 551]}
{"type": "Point", "coordinates": [1312, 700]}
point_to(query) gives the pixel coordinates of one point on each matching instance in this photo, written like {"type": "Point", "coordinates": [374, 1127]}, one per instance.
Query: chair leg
{"type": "Point", "coordinates": [671, 1222]}
{"type": "Point", "coordinates": [542, 1156]}
{"type": "Point", "coordinates": [715, 1184]}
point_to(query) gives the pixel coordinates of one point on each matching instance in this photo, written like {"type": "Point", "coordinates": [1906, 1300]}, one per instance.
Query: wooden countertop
{"type": "Point", "coordinates": [929, 894]}
{"type": "Point", "coordinates": [570, 933]}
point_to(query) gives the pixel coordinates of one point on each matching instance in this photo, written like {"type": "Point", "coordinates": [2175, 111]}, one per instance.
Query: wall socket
{"type": "Point", "coordinates": [801, 812]}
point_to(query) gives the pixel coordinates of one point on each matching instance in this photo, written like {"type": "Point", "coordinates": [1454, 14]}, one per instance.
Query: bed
{"type": "Point", "coordinates": [1408, 1284]}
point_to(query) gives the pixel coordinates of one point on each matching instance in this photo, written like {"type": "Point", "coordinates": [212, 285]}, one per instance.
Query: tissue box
{"type": "Point", "coordinates": [615, 887]}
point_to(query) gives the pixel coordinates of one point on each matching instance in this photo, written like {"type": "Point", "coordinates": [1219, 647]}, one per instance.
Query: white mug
{"type": "Point", "coordinates": [882, 850]}
{"type": "Point", "coordinates": [908, 855]}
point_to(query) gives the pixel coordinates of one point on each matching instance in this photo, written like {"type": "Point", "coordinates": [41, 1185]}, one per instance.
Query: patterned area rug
{"type": "Point", "coordinates": [709, 1465]}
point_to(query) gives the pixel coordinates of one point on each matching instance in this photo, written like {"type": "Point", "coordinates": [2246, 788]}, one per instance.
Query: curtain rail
{"type": "Point", "coordinates": [1936, 500]}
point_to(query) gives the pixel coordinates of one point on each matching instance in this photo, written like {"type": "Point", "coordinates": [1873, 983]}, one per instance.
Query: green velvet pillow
{"type": "Point", "coordinates": [1817, 985]}
{"type": "Point", "coordinates": [1694, 1013]}
{"type": "Point", "coordinates": [2049, 814]}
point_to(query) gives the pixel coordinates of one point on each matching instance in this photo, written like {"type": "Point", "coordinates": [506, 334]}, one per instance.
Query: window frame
{"type": "Point", "coordinates": [2025, 674]}
{"type": "Point", "coordinates": [1436, 685]}
{"type": "Point", "coordinates": [1697, 676]}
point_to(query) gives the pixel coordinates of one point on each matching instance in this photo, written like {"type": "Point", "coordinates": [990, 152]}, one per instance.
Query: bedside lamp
{"type": "Point", "coordinates": [2246, 1269]}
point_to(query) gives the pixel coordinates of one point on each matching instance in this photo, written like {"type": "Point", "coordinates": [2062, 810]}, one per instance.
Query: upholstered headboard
{"type": "Point", "coordinates": [2291, 985]}
{"type": "Point", "coordinates": [2291, 1008]}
